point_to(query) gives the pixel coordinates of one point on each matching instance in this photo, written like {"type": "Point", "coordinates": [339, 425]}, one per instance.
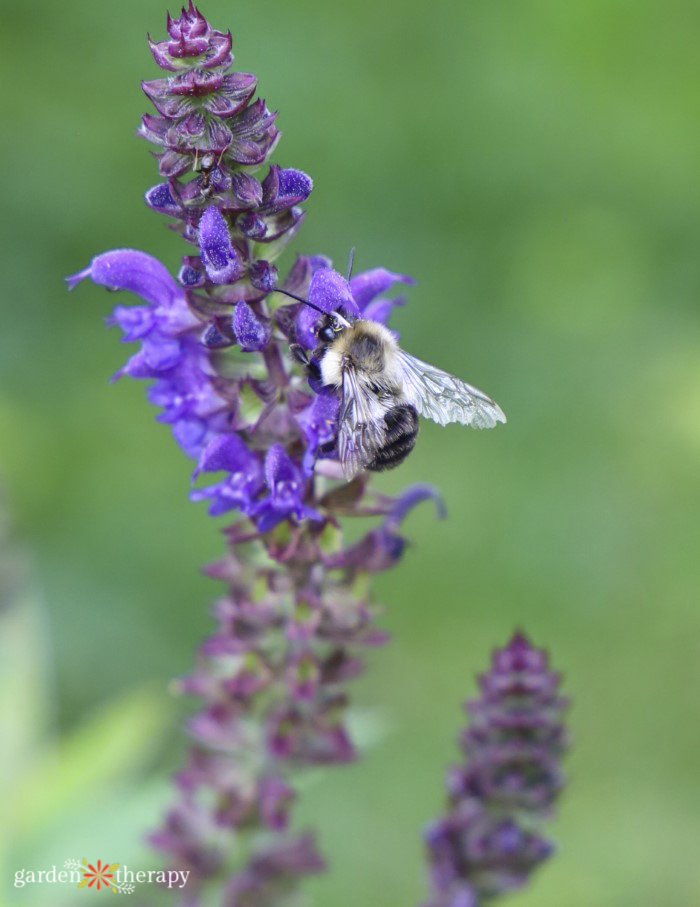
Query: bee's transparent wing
{"type": "Point", "coordinates": [361, 425]}
{"type": "Point", "coordinates": [444, 398]}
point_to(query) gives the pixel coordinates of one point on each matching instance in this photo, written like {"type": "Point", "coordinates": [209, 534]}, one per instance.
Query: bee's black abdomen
{"type": "Point", "coordinates": [401, 434]}
{"type": "Point", "coordinates": [401, 422]}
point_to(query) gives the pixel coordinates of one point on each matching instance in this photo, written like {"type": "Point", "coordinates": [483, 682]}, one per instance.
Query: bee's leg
{"type": "Point", "coordinates": [299, 353]}
{"type": "Point", "coordinates": [401, 433]}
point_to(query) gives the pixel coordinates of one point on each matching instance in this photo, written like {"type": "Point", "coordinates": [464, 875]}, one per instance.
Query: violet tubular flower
{"type": "Point", "coordinates": [296, 611]}
{"type": "Point", "coordinates": [488, 843]}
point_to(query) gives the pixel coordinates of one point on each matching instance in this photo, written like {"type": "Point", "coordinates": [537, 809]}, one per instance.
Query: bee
{"type": "Point", "coordinates": [383, 390]}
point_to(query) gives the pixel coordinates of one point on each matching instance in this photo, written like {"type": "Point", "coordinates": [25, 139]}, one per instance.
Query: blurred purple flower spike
{"type": "Point", "coordinates": [486, 845]}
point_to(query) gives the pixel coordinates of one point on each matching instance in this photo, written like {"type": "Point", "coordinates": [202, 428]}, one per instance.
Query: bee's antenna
{"type": "Point", "coordinates": [351, 262]}
{"type": "Point", "coordinates": [299, 299]}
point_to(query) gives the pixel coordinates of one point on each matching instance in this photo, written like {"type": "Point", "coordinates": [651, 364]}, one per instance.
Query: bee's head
{"type": "Point", "coordinates": [331, 325]}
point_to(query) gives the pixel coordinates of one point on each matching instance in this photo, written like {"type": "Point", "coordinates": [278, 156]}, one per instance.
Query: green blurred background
{"type": "Point", "coordinates": [536, 167]}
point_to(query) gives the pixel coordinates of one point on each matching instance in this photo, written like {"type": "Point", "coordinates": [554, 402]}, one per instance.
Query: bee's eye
{"type": "Point", "coordinates": [326, 332]}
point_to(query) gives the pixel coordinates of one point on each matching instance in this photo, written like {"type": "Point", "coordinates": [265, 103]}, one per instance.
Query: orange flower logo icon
{"type": "Point", "coordinates": [103, 875]}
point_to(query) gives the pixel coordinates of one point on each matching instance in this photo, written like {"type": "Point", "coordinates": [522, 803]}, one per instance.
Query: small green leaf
{"type": "Point", "coordinates": [83, 883]}
{"type": "Point", "coordinates": [114, 867]}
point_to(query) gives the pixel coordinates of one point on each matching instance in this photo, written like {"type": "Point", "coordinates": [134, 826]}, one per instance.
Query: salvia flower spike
{"type": "Point", "coordinates": [296, 611]}
{"type": "Point", "coordinates": [488, 843]}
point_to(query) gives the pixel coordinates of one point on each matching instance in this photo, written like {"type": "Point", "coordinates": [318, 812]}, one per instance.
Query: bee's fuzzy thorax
{"type": "Point", "coordinates": [366, 345]}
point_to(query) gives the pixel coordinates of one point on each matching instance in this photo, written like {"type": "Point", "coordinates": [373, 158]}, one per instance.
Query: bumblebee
{"type": "Point", "coordinates": [383, 390]}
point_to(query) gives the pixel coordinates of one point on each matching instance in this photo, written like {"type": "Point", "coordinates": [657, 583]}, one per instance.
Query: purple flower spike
{"type": "Point", "coordinates": [486, 845]}
{"type": "Point", "coordinates": [218, 255]}
{"type": "Point", "coordinates": [208, 123]}
{"type": "Point", "coordinates": [296, 605]}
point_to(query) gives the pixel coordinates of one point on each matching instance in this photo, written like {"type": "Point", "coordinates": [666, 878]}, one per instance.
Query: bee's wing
{"type": "Point", "coordinates": [361, 425]}
{"type": "Point", "coordinates": [444, 398]}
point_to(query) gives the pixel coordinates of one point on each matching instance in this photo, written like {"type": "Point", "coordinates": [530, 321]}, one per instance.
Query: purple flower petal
{"type": "Point", "coordinates": [161, 353]}
{"type": "Point", "coordinates": [319, 423]}
{"type": "Point", "coordinates": [383, 547]}
{"type": "Point", "coordinates": [229, 453]}
{"type": "Point", "coordinates": [367, 286]}
{"type": "Point", "coordinates": [191, 277]}
{"type": "Point", "coordinates": [285, 188]}
{"type": "Point", "coordinates": [237, 492]}
{"type": "Point", "coordinates": [286, 486]}
{"type": "Point", "coordinates": [219, 256]}
{"type": "Point", "coordinates": [377, 551]}
{"type": "Point", "coordinates": [414, 495]}
{"type": "Point", "coordinates": [160, 198]}
{"type": "Point", "coordinates": [275, 797]}
{"type": "Point", "coordinates": [263, 275]}
{"type": "Point", "coordinates": [281, 476]}
{"type": "Point", "coordinates": [129, 269]}
{"type": "Point", "coordinates": [294, 185]}
{"type": "Point", "coordinates": [251, 333]}
{"type": "Point", "coordinates": [246, 189]}
{"type": "Point", "coordinates": [190, 434]}
{"type": "Point", "coordinates": [381, 309]}
{"type": "Point", "coordinates": [226, 453]}
{"type": "Point", "coordinates": [135, 321]}
{"type": "Point", "coordinates": [330, 291]}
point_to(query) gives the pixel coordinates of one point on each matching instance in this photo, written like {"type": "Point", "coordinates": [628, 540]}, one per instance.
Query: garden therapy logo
{"type": "Point", "coordinates": [102, 875]}
{"type": "Point", "coordinates": [121, 881]}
